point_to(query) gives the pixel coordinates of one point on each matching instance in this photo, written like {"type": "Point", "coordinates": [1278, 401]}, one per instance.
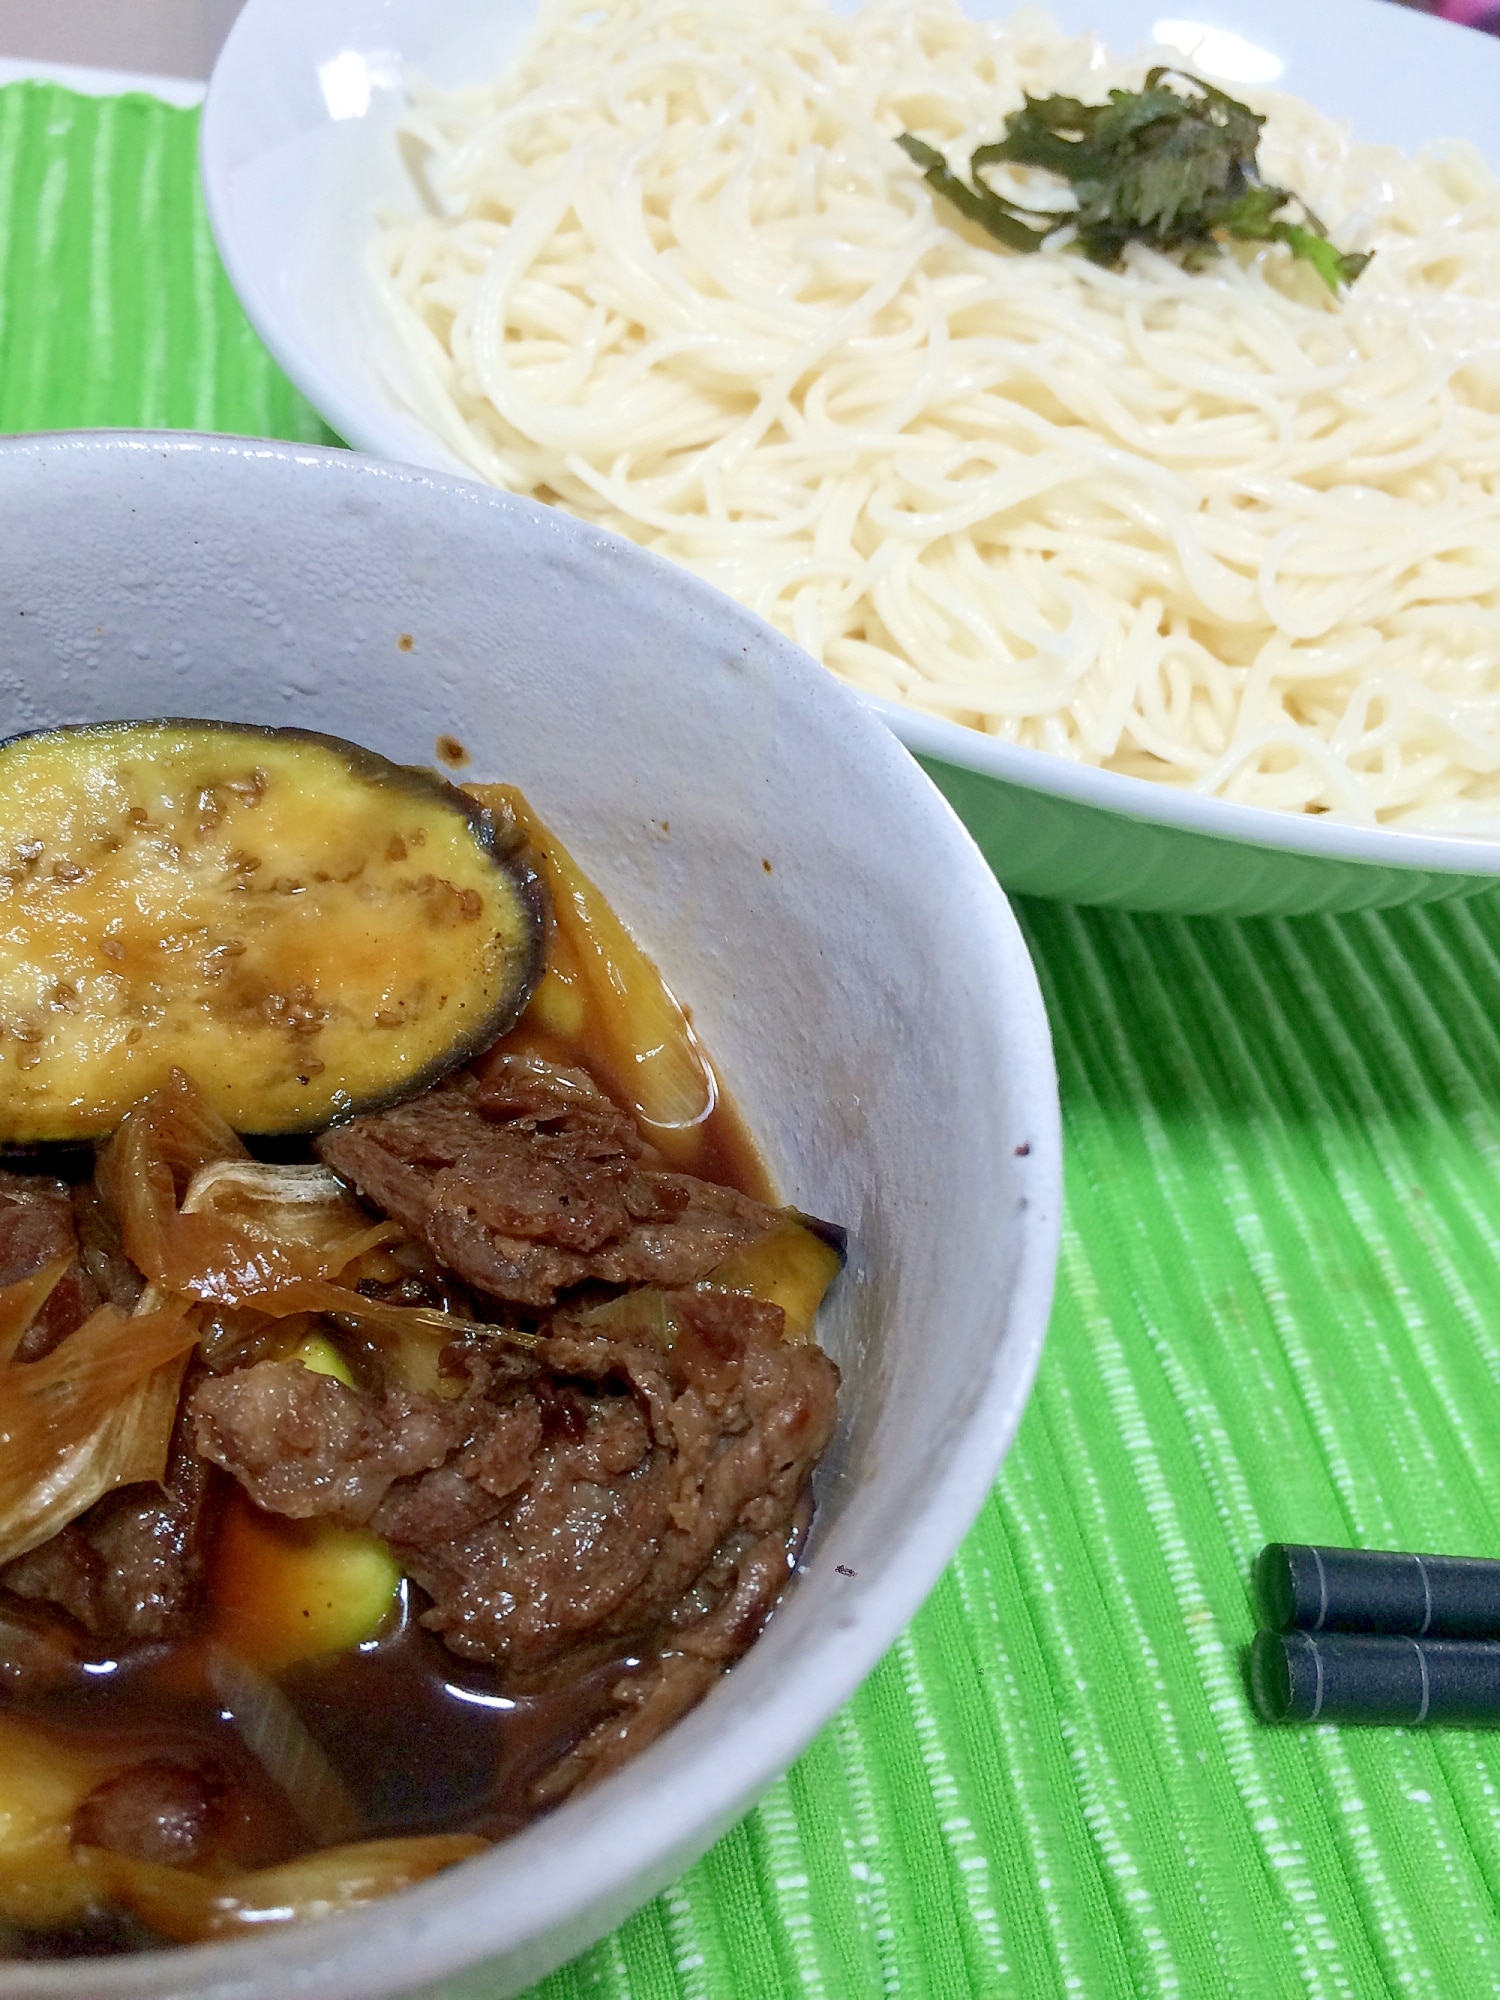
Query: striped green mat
{"type": "Point", "coordinates": [1278, 1317]}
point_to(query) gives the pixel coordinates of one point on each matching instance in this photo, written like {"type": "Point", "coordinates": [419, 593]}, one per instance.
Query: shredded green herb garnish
{"type": "Point", "coordinates": [1172, 165]}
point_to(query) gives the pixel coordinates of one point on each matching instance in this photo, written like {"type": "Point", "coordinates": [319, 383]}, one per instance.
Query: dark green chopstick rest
{"type": "Point", "coordinates": [1377, 1590]}
{"type": "Point", "coordinates": [1363, 1677]}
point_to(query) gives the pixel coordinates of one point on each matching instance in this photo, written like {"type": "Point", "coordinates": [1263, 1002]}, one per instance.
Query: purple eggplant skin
{"type": "Point", "coordinates": [413, 791]}
{"type": "Point", "coordinates": [834, 1234]}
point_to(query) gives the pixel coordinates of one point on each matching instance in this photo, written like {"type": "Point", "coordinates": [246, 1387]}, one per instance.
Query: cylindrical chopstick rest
{"type": "Point", "coordinates": [1356, 1677]}
{"type": "Point", "coordinates": [1376, 1590]}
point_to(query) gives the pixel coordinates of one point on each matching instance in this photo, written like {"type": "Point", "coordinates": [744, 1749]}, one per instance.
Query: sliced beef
{"type": "Point", "coordinates": [158, 1811]}
{"type": "Point", "coordinates": [705, 1632]}
{"type": "Point", "coordinates": [635, 1495]}
{"type": "Point", "coordinates": [132, 1568]}
{"type": "Point", "coordinates": [155, 1549]}
{"type": "Point", "coordinates": [67, 1571]}
{"type": "Point", "coordinates": [208, 1805]}
{"type": "Point", "coordinates": [469, 1491]}
{"type": "Point", "coordinates": [39, 1651]}
{"type": "Point", "coordinates": [36, 1226]}
{"type": "Point", "coordinates": [302, 1444]}
{"type": "Point", "coordinates": [544, 1097]}
{"type": "Point", "coordinates": [620, 1510]}
{"type": "Point", "coordinates": [647, 1703]}
{"type": "Point", "coordinates": [528, 1180]}
{"type": "Point", "coordinates": [684, 1448]}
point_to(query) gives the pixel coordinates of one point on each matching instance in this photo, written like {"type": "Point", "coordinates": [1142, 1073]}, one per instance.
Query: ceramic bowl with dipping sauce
{"type": "Point", "coordinates": [849, 962]}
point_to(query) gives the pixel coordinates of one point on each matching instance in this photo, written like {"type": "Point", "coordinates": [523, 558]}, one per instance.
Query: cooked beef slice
{"type": "Point", "coordinates": [67, 1570]}
{"type": "Point", "coordinates": [635, 1495]}
{"type": "Point", "coordinates": [159, 1811]}
{"type": "Point", "coordinates": [527, 1180]}
{"type": "Point", "coordinates": [646, 1703]}
{"type": "Point", "coordinates": [708, 1630]}
{"type": "Point", "coordinates": [133, 1567]}
{"type": "Point", "coordinates": [39, 1650]}
{"type": "Point", "coordinates": [302, 1444]}
{"type": "Point", "coordinates": [208, 1805]}
{"type": "Point", "coordinates": [685, 1448]}
{"type": "Point", "coordinates": [36, 1226]}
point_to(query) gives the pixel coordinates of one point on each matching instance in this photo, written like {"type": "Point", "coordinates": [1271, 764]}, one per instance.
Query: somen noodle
{"type": "Point", "coordinates": [1218, 528]}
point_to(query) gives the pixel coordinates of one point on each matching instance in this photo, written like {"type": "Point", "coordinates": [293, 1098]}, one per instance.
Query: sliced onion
{"type": "Point", "coordinates": [654, 1057]}
{"type": "Point", "coordinates": [21, 1302]}
{"type": "Point", "coordinates": [95, 1413]}
{"type": "Point", "coordinates": [280, 1741]}
{"type": "Point", "coordinates": [191, 1909]}
{"type": "Point", "coordinates": [378, 1317]}
{"type": "Point", "coordinates": [307, 1206]}
{"type": "Point", "coordinates": [274, 1238]}
{"type": "Point", "coordinates": [243, 1232]}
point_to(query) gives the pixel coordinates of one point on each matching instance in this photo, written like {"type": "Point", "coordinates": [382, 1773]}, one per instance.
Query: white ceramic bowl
{"type": "Point", "coordinates": [869, 1000]}
{"type": "Point", "coordinates": [297, 148]}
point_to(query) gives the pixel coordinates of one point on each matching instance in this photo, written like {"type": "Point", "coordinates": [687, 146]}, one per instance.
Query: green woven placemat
{"type": "Point", "coordinates": [1278, 1317]}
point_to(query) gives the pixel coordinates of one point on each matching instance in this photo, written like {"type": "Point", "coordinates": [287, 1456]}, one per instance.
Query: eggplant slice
{"type": "Point", "coordinates": [305, 928]}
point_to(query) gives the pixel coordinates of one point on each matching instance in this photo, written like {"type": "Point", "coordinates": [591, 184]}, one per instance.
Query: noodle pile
{"type": "Point", "coordinates": [1219, 529]}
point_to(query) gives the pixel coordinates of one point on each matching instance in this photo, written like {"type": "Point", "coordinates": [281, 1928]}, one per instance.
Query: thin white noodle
{"type": "Point", "coordinates": [1217, 529]}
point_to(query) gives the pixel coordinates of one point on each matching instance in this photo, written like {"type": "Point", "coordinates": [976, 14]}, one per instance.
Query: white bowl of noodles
{"type": "Point", "coordinates": [1186, 589]}
{"type": "Point", "coordinates": [851, 966]}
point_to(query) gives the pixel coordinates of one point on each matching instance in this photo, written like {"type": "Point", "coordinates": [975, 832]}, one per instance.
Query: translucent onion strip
{"type": "Point", "coordinates": [94, 1414]}
{"type": "Point", "coordinates": [200, 1218]}
{"type": "Point", "coordinates": [194, 1909]}
{"type": "Point", "coordinates": [22, 1301]}
{"type": "Point", "coordinates": [273, 1237]}
{"type": "Point", "coordinates": [621, 1003]}
{"type": "Point", "coordinates": [284, 1747]}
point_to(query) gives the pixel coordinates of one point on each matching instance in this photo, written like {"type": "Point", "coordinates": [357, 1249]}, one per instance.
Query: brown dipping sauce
{"type": "Point", "coordinates": [420, 1740]}
{"type": "Point", "coordinates": [424, 1743]}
